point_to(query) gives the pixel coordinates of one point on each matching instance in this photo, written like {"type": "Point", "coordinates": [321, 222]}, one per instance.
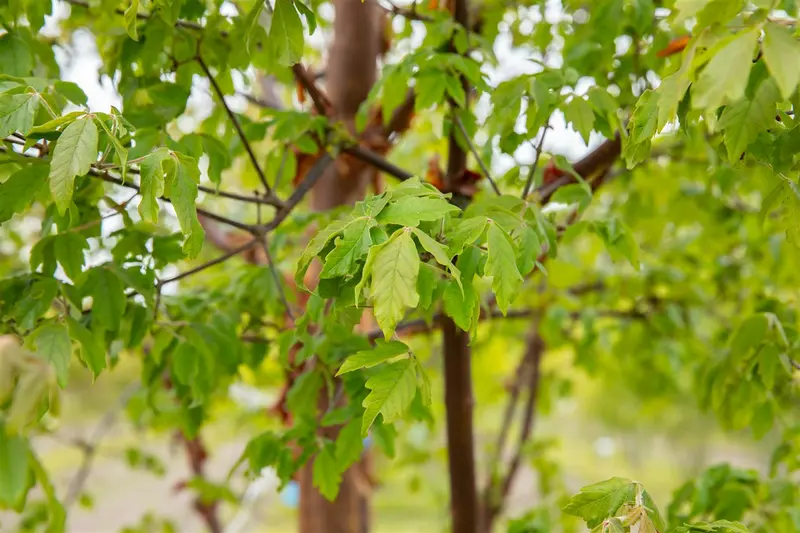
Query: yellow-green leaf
{"type": "Point", "coordinates": [394, 280]}
{"type": "Point", "coordinates": [391, 392]}
{"type": "Point", "coordinates": [73, 156]}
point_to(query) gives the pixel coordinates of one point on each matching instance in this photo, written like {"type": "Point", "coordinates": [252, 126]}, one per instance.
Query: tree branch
{"type": "Point", "coordinates": [321, 103]}
{"type": "Point", "coordinates": [377, 161]}
{"type": "Point", "coordinates": [495, 500]}
{"type": "Point", "coordinates": [597, 161]}
{"type": "Point", "coordinates": [532, 171]}
{"type": "Point", "coordinates": [474, 151]}
{"type": "Point", "coordinates": [105, 176]}
{"type": "Point", "coordinates": [235, 122]}
{"type": "Point", "coordinates": [208, 264]}
{"type": "Point", "coordinates": [274, 270]}
{"type": "Point", "coordinates": [90, 448]}
{"type": "Point", "coordinates": [300, 192]}
{"type": "Point", "coordinates": [458, 399]}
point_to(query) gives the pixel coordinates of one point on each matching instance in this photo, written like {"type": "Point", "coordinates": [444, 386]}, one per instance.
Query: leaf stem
{"type": "Point", "coordinates": [235, 121]}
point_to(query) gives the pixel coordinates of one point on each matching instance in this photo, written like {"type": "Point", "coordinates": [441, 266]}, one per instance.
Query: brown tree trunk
{"type": "Point", "coordinates": [464, 510]}
{"type": "Point", "coordinates": [350, 73]}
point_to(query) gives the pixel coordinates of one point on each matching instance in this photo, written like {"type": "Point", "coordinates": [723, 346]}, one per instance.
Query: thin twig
{"type": "Point", "coordinates": [497, 490]}
{"type": "Point", "coordinates": [143, 16]}
{"type": "Point", "coordinates": [474, 151]}
{"type": "Point", "coordinates": [536, 347]}
{"type": "Point", "coordinates": [377, 161]}
{"type": "Point", "coordinates": [535, 165]}
{"type": "Point", "coordinates": [90, 447]}
{"type": "Point", "coordinates": [235, 121]}
{"type": "Point", "coordinates": [273, 268]}
{"type": "Point", "coordinates": [307, 82]}
{"type": "Point", "coordinates": [260, 200]}
{"type": "Point", "coordinates": [105, 176]}
{"type": "Point", "coordinates": [314, 174]}
{"type": "Point", "coordinates": [520, 373]}
{"type": "Point", "coordinates": [221, 259]}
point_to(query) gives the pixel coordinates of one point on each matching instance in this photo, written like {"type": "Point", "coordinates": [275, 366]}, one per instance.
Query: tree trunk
{"type": "Point", "coordinates": [350, 73]}
{"type": "Point", "coordinates": [464, 510]}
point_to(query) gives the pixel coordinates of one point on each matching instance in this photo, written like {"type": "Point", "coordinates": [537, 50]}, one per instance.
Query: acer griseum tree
{"type": "Point", "coordinates": [358, 221]}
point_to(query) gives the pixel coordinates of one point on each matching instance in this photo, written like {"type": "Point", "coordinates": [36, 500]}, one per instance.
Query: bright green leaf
{"type": "Point", "coordinates": [383, 351]}
{"type": "Point", "coordinates": [52, 343]}
{"type": "Point", "coordinates": [325, 473]}
{"type": "Point", "coordinates": [394, 280]}
{"type": "Point", "coordinates": [597, 502]}
{"type": "Point", "coordinates": [724, 78]}
{"type": "Point", "coordinates": [501, 265]}
{"type": "Point", "coordinates": [17, 112]}
{"type": "Point", "coordinates": [391, 391]}
{"type": "Point", "coordinates": [782, 55]}
{"type": "Point", "coordinates": [73, 156]}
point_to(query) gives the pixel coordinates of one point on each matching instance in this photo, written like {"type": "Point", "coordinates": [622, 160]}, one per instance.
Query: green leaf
{"type": "Point", "coordinates": [185, 363]}
{"type": "Point", "coordinates": [424, 384]}
{"type": "Point", "coordinates": [93, 353]}
{"type": "Point", "coordinates": [308, 13]}
{"type": "Point", "coordinates": [391, 391]}
{"type": "Point", "coordinates": [56, 124]}
{"type": "Point", "coordinates": [782, 56]}
{"type": "Point", "coordinates": [14, 470]}
{"type": "Point", "coordinates": [252, 22]}
{"type": "Point", "coordinates": [73, 156]}
{"type": "Point", "coordinates": [501, 265]}
{"type": "Point", "coordinates": [32, 390]}
{"type": "Point", "coordinates": [350, 248]}
{"type": "Point", "coordinates": [71, 91]}
{"type": "Point", "coordinates": [19, 190]}
{"type": "Point", "coordinates": [652, 510]}
{"type": "Point", "coordinates": [151, 183]}
{"type": "Point", "coordinates": [303, 396]}
{"type": "Point", "coordinates": [429, 90]}
{"type": "Point", "coordinates": [382, 352]}
{"type": "Point", "coordinates": [685, 9]}
{"type": "Point", "coordinates": [286, 33]}
{"type": "Point", "coordinates": [724, 78]}
{"type": "Point", "coordinates": [52, 343]}
{"type": "Point", "coordinates": [466, 233]}
{"type": "Point", "coordinates": [119, 150]}
{"type": "Point", "coordinates": [529, 248]}
{"type": "Point", "coordinates": [349, 445]}
{"type": "Point", "coordinates": [182, 177]}
{"type": "Point", "coordinates": [325, 473]}
{"type": "Point", "coordinates": [644, 122]}
{"type": "Point", "coordinates": [579, 113]}
{"type": "Point", "coordinates": [130, 19]}
{"type": "Point", "coordinates": [454, 89]}
{"type": "Point", "coordinates": [394, 280]}
{"type": "Point", "coordinates": [597, 502]}
{"type": "Point", "coordinates": [57, 516]}
{"type": "Point", "coordinates": [720, 526]}
{"type": "Point", "coordinates": [439, 252]}
{"type": "Point", "coordinates": [461, 305]}
{"type": "Point", "coordinates": [315, 246]}
{"type": "Point", "coordinates": [411, 210]}
{"type": "Point", "coordinates": [749, 335]}
{"type": "Point", "coordinates": [744, 120]}
{"type": "Point", "coordinates": [69, 248]}
{"type": "Point", "coordinates": [108, 297]}
{"type": "Point", "coordinates": [17, 112]}
{"type": "Point", "coordinates": [16, 58]}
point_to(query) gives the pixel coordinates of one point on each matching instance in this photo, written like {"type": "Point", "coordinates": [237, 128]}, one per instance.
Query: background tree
{"type": "Point", "coordinates": [204, 244]}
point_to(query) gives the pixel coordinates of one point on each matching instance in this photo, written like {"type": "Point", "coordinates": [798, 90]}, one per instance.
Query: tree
{"type": "Point", "coordinates": [660, 263]}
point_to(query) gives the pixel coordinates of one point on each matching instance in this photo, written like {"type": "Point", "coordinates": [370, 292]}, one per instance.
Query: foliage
{"type": "Point", "coordinates": [674, 280]}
